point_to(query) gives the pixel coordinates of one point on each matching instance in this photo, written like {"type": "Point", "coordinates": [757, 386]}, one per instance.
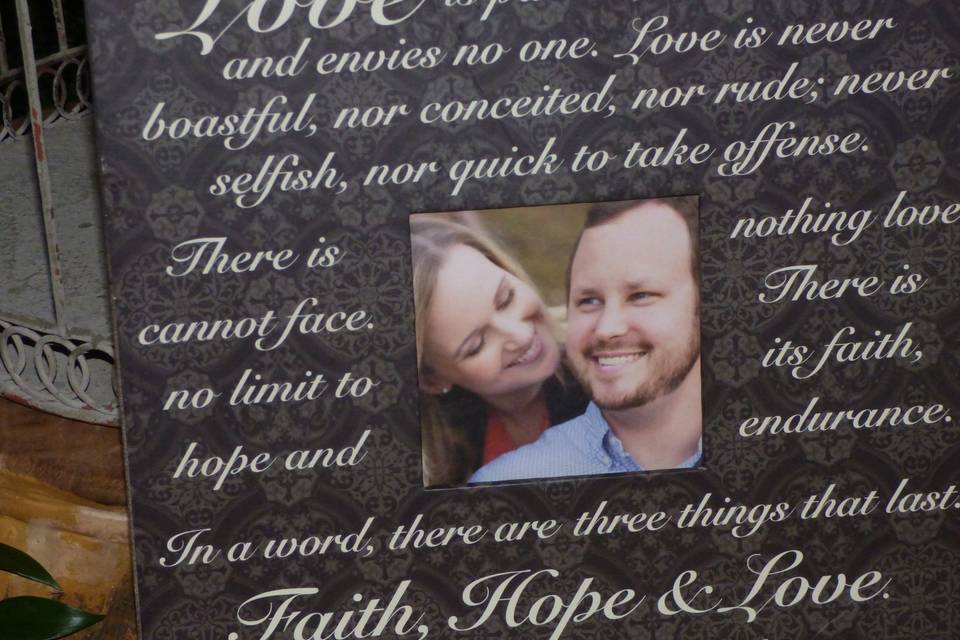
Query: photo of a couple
{"type": "Point", "coordinates": [606, 382]}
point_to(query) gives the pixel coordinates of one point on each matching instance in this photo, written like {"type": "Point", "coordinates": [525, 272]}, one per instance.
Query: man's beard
{"type": "Point", "coordinates": [667, 372]}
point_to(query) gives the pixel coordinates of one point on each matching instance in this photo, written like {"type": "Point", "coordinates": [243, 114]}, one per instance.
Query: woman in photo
{"type": "Point", "coordinates": [488, 357]}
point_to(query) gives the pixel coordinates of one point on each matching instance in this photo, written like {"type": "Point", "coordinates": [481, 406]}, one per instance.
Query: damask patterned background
{"type": "Point", "coordinates": [156, 195]}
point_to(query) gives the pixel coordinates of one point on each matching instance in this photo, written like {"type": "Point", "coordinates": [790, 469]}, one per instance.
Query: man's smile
{"type": "Point", "coordinates": [611, 361]}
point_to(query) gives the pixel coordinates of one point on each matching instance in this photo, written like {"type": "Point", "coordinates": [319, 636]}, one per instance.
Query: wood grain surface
{"type": "Point", "coordinates": [62, 500]}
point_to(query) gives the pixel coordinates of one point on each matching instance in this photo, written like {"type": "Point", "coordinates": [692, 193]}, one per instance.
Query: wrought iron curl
{"type": "Point", "coordinates": [44, 370]}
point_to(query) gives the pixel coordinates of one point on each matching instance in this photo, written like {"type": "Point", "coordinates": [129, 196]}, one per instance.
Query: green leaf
{"type": "Point", "coordinates": [32, 618]}
{"type": "Point", "coordinates": [17, 562]}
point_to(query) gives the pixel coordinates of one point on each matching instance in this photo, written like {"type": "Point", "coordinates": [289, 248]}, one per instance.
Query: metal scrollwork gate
{"type": "Point", "coordinates": [55, 340]}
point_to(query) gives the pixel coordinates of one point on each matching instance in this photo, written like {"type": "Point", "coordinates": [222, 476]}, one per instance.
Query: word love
{"type": "Point", "coordinates": [777, 584]}
{"type": "Point", "coordinates": [266, 16]}
{"type": "Point", "coordinates": [651, 38]}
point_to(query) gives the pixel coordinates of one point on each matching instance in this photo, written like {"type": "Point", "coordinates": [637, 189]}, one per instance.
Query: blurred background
{"type": "Point", "coordinates": [539, 238]}
{"type": "Point", "coordinates": [62, 497]}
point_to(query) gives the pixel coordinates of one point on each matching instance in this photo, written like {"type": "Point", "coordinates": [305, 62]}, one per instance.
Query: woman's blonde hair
{"type": "Point", "coordinates": [450, 453]}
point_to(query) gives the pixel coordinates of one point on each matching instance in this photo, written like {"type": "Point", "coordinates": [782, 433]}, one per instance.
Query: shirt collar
{"type": "Point", "coordinates": [608, 448]}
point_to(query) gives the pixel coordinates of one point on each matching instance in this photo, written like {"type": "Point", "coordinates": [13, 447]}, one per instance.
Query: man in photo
{"type": "Point", "coordinates": [633, 342]}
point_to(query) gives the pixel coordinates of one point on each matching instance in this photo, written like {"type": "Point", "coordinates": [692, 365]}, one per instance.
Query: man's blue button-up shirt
{"type": "Point", "coordinates": [583, 446]}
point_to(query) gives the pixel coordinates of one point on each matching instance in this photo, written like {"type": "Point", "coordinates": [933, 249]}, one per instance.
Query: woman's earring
{"type": "Point", "coordinates": [447, 389]}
